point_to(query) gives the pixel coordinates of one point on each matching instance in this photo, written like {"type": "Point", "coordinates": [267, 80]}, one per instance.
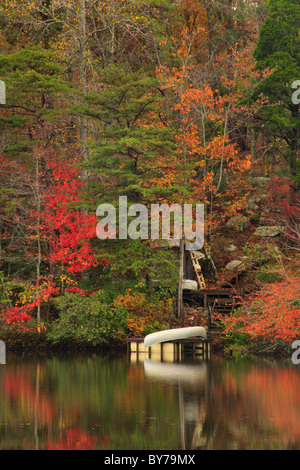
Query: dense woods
{"type": "Point", "coordinates": [187, 102]}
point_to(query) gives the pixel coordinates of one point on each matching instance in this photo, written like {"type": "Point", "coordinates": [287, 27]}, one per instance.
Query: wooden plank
{"type": "Point", "coordinates": [219, 291]}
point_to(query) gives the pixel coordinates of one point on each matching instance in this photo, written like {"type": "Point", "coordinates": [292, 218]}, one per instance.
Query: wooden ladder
{"type": "Point", "coordinates": [195, 257]}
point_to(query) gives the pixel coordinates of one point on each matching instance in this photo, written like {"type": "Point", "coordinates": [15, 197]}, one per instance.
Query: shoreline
{"type": "Point", "coordinates": [36, 343]}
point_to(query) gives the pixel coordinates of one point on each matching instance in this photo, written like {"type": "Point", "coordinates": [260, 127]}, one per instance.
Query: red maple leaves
{"type": "Point", "coordinates": [273, 314]}
{"type": "Point", "coordinates": [68, 227]}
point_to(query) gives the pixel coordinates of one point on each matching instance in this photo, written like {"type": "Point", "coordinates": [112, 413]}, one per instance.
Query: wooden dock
{"type": "Point", "coordinates": [169, 351]}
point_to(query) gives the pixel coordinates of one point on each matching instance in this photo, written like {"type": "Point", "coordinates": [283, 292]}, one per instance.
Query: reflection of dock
{"type": "Point", "coordinates": [192, 380]}
{"type": "Point", "coordinates": [188, 373]}
{"type": "Point", "coordinates": [169, 351]}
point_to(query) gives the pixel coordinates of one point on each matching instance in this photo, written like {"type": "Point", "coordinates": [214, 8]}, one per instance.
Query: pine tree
{"type": "Point", "coordinates": [132, 143]}
{"type": "Point", "coordinates": [278, 48]}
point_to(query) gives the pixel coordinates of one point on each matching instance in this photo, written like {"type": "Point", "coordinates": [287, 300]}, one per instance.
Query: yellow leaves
{"type": "Point", "coordinates": [247, 162]}
{"type": "Point", "coordinates": [41, 327]}
{"type": "Point", "coordinates": [68, 280]}
{"type": "Point", "coordinates": [28, 295]}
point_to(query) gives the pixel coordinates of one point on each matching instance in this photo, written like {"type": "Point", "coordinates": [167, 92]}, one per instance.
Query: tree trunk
{"type": "Point", "coordinates": [294, 146]}
{"type": "Point", "coordinates": [39, 251]}
{"type": "Point", "coordinates": [83, 77]}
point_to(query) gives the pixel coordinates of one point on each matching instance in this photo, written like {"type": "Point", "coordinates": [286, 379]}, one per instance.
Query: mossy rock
{"type": "Point", "coordinates": [238, 223]}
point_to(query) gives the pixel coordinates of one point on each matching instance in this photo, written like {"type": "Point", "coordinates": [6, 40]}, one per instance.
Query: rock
{"type": "Point", "coordinates": [230, 249]}
{"type": "Point", "coordinates": [261, 180]}
{"type": "Point", "coordinates": [189, 284]}
{"type": "Point", "coordinates": [236, 265]}
{"type": "Point", "coordinates": [267, 220]}
{"type": "Point", "coordinates": [252, 206]}
{"type": "Point", "coordinates": [252, 203]}
{"type": "Point", "coordinates": [268, 231]}
{"type": "Point", "coordinates": [238, 223]}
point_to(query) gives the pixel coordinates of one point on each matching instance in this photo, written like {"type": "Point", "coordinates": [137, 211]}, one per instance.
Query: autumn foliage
{"type": "Point", "coordinates": [142, 314]}
{"type": "Point", "coordinates": [161, 102]}
{"type": "Point", "coordinates": [284, 207]}
{"type": "Point", "coordinates": [68, 228]}
{"type": "Point", "coordinates": [272, 314]}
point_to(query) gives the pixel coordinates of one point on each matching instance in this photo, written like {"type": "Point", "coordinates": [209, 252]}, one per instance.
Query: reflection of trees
{"type": "Point", "coordinates": [252, 407]}
{"type": "Point", "coordinates": [240, 406]}
{"type": "Point", "coordinates": [74, 439]}
{"type": "Point", "coordinates": [96, 402]}
{"type": "Point", "coordinates": [85, 401]}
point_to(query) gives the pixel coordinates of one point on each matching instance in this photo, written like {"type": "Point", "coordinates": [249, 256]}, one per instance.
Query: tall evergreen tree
{"type": "Point", "coordinates": [279, 48]}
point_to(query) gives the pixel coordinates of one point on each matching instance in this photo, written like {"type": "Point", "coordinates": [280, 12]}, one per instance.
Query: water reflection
{"type": "Point", "coordinates": [191, 380]}
{"type": "Point", "coordinates": [101, 402]}
{"type": "Point", "coordinates": [189, 373]}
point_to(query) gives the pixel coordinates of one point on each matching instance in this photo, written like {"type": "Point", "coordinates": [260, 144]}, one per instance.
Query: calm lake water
{"type": "Point", "coordinates": [104, 402]}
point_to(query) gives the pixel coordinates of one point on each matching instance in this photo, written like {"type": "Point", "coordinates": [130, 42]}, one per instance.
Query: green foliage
{"type": "Point", "coordinates": [10, 290]}
{"type": "Point", "coordinates": [267, 276]}
{"type": "Point", "coordinates": [36, 94]}
{"type": "Point", "coordinates": [130, 142]}
{"type": "Point", "coordinates": [235, 342]}
{"type": "Point", "coordinates": [259, 254]}
{"type": "Point", "coordinates": [29, 73]}
{"type": "Point", "coordinates": [137, 260]}
{"type": "Point", "coordinates": [23, 337]}
{"type": "Point", "coordinates": [278, 48]}
{"type": "Point", "coordinates": [153, 327]}
{"type": "Point", "coordinates": [296, 302]}
{"type": "Point", "coordinates": [86, 320]}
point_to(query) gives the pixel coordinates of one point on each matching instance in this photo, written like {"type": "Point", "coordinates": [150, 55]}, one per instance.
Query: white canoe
{"type": "Point", "coordinates": [173, 334]}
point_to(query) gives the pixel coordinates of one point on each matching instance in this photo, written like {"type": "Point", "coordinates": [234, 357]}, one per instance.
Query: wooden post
{"type": "Point", "coordinates": [209, 319]}
{"type": "Point", "coordinates": [205, 300]}
{"type": "Point", "coordinates": [180, 311]}
{"type": "Point", "coordinates": [128, 350]}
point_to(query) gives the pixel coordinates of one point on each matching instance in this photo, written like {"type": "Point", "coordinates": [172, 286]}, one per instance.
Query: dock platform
{"type": "Point", "coordinates": [169, 351]}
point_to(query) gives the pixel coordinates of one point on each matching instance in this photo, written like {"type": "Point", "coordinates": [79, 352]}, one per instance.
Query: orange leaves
{"type": "Point", "coordinates": [210, 160]}
{"type": "Point", "coordinates": [142, 312]}
{"type": "Point", "coordinates": [274, 312]}
{"type": "Point", "coordinates": [135, 326]}
{"type": "Point", "coordinates": [133, 302]}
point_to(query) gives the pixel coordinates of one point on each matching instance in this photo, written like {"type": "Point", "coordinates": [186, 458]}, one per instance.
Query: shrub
{"type": "Point", "coordinates": [268, 276]}
{"type": "Point", "coordinates": [87, 319]}
{"type": "Point", "coordinates": [271, 314]}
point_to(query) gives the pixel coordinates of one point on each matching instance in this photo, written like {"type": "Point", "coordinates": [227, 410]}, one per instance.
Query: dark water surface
{"type": "Point", "coordinates": [104, 402]}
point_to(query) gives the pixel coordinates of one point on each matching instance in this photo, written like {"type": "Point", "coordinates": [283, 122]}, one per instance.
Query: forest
{"type": "Point", "coordinates": [164, 102]}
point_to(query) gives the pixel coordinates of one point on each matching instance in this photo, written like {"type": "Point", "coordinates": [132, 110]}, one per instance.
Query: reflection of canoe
{"type": "Point", "coordinates": [186, 373]}
{"type": "Point", "coordinates": [173, 334]}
